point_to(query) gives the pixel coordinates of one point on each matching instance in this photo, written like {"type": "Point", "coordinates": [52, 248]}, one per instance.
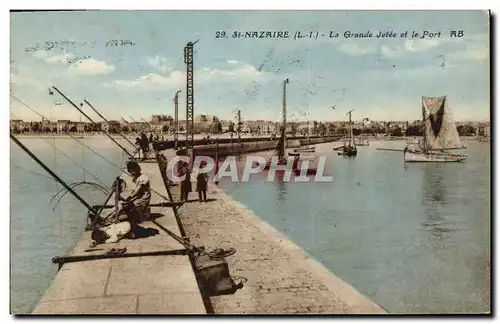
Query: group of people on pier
{"type": "Point", "coordinates": [201, 182]}
{"type": "Point", "coordinates": [144, 144]}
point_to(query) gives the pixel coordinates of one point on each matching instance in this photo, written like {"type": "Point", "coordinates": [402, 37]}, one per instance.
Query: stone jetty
{"type": "Point", "coordinates": [278, 276]}
{"type": "Point", "coordinates": [136, 285]}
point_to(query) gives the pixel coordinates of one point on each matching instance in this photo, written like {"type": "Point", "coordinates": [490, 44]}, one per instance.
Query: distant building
{"type": "Point", "coordinates": [159, 119]}
{"type": "Point", "coordinates": [206, 119]}
{"type": "Point", "coordinates": [112, 125]}
{"type": "Point", "coordinates": [483, 130]}
{"type": "Point", "coordinates": [61, 124]}
{"type": "Point", "coordinates": [80, 127]}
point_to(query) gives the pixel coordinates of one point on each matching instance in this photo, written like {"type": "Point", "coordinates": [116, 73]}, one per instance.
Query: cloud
{"type": "Point", "coordinates": [391, 51]}
{"type": "Point", "coordinates": [91, 67]}
{"type": "Point", "coordinates": [239, 70]}
{"type": "Point", "coordinates": [160, 63]}
{"type": "Point", "coordinates": [53, 58]}
{"type": "Point", "coordinates": [78, 65]}
{"type": "Point", "coordinates": [175, 78]}
{"type": "Point", "coordinates": [356, 49]}
{"type": "Point", "coordinates": [24, 80]}
{"type": "Point", "coordinates": [475, 52]}
{"type": "Point", "coordinates": [420, 45]}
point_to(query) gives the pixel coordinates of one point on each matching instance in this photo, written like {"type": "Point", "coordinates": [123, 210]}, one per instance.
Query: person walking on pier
{"type": "Point", "coordinates": [186, 182]}
{"type": "Point", "coordinates": [144, 145]}
{"type": "Point", "coordinates": [201, 184]}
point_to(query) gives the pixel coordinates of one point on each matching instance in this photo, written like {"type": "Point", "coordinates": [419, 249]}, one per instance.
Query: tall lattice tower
{"type": "Point", "coordinates": [188, 59]}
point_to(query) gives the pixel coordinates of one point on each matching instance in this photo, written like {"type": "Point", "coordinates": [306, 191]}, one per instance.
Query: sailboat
{"type": "Point", "coordinates": [440, 134]}
{"type": "Point", "coordinates": [282, 141]}
{"type": "Point", "coordinates": [361, 142]}
{"type": "Point", "coordinates": [307, 148]}
{"type": "Point", "coordinates": [349, 148]}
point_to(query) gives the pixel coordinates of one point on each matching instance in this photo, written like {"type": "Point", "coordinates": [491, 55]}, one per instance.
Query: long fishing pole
{"type": "Point", "coordinates": [150, 127]}
{"type": "Point", "coordinates": [100, 115]}
{"type": "Point", "coordinates": [90, 119]}
{"type": "Point", "coordinates": [142, 127]}
{"type": "Point", "coordinates": [125, 121]}
{"type": "Point", "coordinates": [49, 171]}
{"type": "Point", "coordinates": [67, 133]}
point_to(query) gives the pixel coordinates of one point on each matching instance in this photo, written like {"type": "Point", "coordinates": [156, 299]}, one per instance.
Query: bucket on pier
{"type": "Point", "coordinates": [213, 276]}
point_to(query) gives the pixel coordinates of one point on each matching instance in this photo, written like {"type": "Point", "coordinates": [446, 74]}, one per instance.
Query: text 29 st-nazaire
{"type": "Point", "coordinates": [254, 34]}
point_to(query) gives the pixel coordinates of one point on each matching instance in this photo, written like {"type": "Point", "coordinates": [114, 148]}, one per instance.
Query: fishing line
{"type": "Point", "coordinates": [32, 172]}
{"type": "Point", "coordinates": [118, 167]}
{"type": "Point", "coordinates": [73, 137]}
{"type": "Point", "coordinates": [57, 184]}
{"type": "Point", "coordinates": [55, 148]}
{"type": "Point", "coordinates": [74, 185]}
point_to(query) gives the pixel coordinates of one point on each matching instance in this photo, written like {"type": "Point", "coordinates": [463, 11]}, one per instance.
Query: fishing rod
{"type": "Point", "coordinates": [125, 121]}
{"type": "Point", "coordinates": [150, 127]}
{"type": "Point", "coordinates": [93, 151]}
{"type": "Point", "coordinates": [49, 171]}
{"type": "Point", "coordinates": [67, 133]}
{"type": "Point", "coordinates": [100, 115]}
{"type": "Point", "coordinates": [143, 124]}
{"type": "Point", "coordinates": [90, 119]}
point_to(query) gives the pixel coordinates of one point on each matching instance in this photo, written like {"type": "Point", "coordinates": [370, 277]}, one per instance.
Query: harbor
{"type": "Point", "coordinates": [279, 277]}
{"type": "Point", "coordinates": [210, 176]}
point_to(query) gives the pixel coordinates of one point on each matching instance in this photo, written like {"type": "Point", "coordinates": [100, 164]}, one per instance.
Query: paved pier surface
{"type": "Point", "coordinates": [136, 285]}
{"type": "Point", "coordinates": [281, 277]}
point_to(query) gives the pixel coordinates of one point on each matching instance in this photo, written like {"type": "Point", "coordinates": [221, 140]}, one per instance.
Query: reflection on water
{"type": "Point", "coordinates": [280, 186]}
{"type": "Point", "coordinates": [434, 198]}
{"type": "Point", "coordinates": [413, 239]}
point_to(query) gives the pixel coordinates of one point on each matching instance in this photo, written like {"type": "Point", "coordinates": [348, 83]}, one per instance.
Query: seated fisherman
{"type": "Point", "coordinates": [136, 204]}
{"type": "Point", "coordinates": [133, 206]}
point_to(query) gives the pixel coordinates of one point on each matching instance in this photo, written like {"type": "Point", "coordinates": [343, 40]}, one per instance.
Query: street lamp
{"type": "Point", "coordinates": [176, 114]}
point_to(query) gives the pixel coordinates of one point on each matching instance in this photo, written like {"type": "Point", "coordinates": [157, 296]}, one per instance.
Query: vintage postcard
{"type": "Point", "coordinates": [250, 162]}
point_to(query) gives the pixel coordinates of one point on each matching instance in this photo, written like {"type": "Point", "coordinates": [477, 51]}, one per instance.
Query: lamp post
{"type": "Point", "coordinates": [176, 114]}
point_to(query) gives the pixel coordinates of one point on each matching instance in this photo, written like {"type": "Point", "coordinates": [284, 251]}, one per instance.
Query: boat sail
{"type": "Point", "coordinates": [349, 148]}
{"type": "Point", "coordinates": [440, 134]}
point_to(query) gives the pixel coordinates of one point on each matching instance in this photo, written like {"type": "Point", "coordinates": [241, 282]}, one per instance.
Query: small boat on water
{"type": "Point", "coordinates": [311, 149]}
{"type": "Point", "coordinates": [281, 147]}
{"type": "Point", "coordinates": [349, 149]}
{"type": "Point", "coordinates": [440, 134]}
{"type": "Point", "coordinates": [361, 142]}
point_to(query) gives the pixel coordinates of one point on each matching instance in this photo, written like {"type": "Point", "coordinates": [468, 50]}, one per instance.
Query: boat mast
{"type": "Point", "coordinates": [283, 134]}
{"type": "Point", "coordinates": [423, 126]}
{"type": "Point", "coordinates": [350, 127]}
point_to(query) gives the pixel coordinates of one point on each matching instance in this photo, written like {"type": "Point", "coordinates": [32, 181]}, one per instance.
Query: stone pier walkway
{"type": "Point", "coordinates": [136, 285]}
{"type": "Point", "coordinates": [281, 278]}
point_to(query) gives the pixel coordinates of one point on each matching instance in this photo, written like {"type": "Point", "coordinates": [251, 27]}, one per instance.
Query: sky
{"type": "Point", "coordinates": [381, 79]}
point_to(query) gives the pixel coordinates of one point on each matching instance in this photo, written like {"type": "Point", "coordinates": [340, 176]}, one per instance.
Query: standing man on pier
{"type": "Point", "coordinates": [201, 184]}
{"type": "Point", "coordinates": [186, 182]}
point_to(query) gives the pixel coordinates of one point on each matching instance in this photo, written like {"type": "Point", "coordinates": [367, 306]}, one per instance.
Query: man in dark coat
{"type": "Point", "coordinates": [201, 185]}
